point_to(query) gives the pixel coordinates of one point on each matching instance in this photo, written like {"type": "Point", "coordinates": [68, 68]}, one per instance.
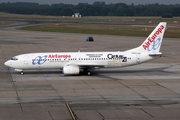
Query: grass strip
{"type": "Point", "coordinates": [102, 29]}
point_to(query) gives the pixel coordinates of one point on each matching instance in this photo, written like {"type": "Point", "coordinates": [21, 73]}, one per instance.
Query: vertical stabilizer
{"type": "Point", "coordinates": [152, 44]}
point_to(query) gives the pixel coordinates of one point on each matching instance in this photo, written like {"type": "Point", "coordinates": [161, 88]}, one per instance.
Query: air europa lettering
{"type": "Point", "coordinates": [151, 39]}
{"type": "Point", "coordinates": [59, 56]}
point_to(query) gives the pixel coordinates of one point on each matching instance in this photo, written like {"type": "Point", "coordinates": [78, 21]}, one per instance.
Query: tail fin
{"type": "Point", "coordinates": [153, 42]}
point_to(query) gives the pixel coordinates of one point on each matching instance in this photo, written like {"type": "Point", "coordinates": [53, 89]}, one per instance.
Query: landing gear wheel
{"type": "Point", "coordinates": [22, 73]}
{"type": "Point", "coordinates": [89, 73]}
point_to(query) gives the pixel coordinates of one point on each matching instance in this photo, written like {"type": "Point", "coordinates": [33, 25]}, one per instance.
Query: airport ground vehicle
{"type": "Point", "coordinates": [90, 39]}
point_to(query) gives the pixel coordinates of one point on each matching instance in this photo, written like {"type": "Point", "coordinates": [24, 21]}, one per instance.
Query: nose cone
{"type": "Point", "coordinates": [7, 63]}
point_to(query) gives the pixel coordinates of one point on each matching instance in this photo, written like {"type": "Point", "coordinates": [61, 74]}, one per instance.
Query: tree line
{"type": "Point", "coordinates": [95, 9]}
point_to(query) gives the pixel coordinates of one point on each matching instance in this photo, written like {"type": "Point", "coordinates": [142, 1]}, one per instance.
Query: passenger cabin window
{"type": "Point", "coordinates": [14, 58]}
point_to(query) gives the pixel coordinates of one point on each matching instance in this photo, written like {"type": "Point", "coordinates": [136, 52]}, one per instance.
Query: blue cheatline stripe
{"type": "Point", "coordinates": [6, 69]}
{"type": "Point", "coordinates": [47, 76]}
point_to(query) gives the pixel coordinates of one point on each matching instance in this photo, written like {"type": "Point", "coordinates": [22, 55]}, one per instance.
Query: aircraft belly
{"type": "Point", "coordinates": [47, 65]}
{"type": "Point", "coordinates": [51, 65]}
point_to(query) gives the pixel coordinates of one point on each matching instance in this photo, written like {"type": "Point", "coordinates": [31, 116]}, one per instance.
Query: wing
{"type": "Point", "coordinates": [90, 65]}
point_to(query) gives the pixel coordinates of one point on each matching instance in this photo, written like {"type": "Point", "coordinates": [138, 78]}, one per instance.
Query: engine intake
{"type": "Point", "coordinates": [71, 70]}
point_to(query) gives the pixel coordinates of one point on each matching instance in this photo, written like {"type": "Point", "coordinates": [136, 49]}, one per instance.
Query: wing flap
{"type": "Point", "coordinates": [88, 65]}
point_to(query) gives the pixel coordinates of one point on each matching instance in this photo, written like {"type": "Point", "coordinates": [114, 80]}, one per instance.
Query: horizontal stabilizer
{"type": "Point", "coordinates": [155, 54]}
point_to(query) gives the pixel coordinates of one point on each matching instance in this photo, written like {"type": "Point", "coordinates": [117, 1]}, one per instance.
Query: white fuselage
{"type": "Point", "coordinates": [82, 59]}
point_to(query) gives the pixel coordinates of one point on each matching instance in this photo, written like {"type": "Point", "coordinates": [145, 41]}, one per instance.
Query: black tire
{"type": "Point", "coordinates": [22, 73]}
{"type": "Point", "coordinates": [89, 73]}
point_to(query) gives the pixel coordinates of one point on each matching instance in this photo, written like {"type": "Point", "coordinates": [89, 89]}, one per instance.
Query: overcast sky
{"type": "Point", "coordinates": [91, 1]}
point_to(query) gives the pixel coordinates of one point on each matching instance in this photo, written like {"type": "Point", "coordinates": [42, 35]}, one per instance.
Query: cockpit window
{"type": "Point", "coordinates": [14, 58]}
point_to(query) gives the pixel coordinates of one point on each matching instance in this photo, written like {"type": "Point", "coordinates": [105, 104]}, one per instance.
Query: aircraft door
{"type": "Point", "coordinates": [25, 60]}
{"type": "Point", "coordinates": [138, 58]}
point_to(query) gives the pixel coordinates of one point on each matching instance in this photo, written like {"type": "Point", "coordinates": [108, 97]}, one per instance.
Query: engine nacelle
{"type": "Point", "coordinates": [71, 70]}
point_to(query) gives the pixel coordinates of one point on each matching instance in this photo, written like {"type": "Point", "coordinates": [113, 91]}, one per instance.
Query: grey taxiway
{"type": "Point", "coordinates": [148, 91]}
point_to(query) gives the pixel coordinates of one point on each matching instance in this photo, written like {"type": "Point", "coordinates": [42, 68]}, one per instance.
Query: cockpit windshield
{"type": "Point", "coordinates": [14, 58]}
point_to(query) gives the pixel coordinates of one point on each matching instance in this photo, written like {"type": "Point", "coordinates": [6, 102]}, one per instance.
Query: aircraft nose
{"type": "Point", "coordinates": [7, 63]}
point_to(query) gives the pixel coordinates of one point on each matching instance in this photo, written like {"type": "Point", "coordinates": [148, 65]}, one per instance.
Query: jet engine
{"type": "Point", "coordinates": [71, 70]}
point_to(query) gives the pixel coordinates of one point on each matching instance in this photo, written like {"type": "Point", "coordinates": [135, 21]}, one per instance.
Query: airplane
{"type": "Point", "coordinates": [73, 63]}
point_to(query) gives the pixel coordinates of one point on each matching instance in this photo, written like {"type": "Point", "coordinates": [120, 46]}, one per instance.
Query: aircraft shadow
{"type": "Point", "coordinates": [162, 69]}
{"type": "Point", "coordinates": [99, 72]}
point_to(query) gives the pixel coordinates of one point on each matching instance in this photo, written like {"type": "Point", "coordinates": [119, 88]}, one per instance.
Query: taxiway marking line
{"type": "Point", "coordinates": [72, 115]}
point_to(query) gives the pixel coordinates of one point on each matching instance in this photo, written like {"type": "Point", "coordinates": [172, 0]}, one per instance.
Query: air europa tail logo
{"type": "Point", "coordinates": [151, 39]}
{"type": "Point", "coordinates": [155, 45]}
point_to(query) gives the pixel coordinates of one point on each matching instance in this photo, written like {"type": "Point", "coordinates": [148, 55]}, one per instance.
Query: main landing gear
{"type": "Point", "coordinates": [89, 73]}
{"type": "Point", "coordinates": [22, 73]}
{"type": "Point", "coordinates": [86, 72]}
